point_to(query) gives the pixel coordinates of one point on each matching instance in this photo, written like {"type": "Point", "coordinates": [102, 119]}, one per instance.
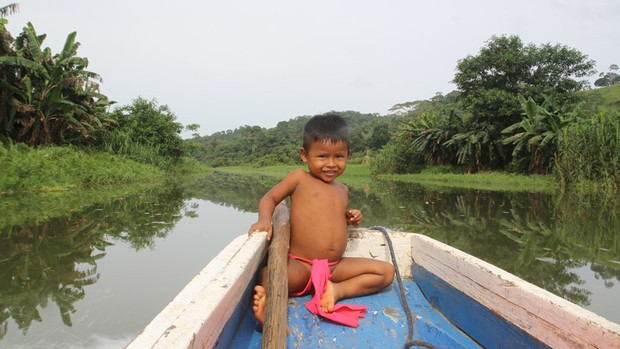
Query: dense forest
{"type": "Point", "coordinates": [517, 107]}
{"type": "Point", "coordinates": [280, 145]}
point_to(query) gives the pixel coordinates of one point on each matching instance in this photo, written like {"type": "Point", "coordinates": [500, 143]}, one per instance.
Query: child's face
{"type": "Point", "coordinates": [326, 160]}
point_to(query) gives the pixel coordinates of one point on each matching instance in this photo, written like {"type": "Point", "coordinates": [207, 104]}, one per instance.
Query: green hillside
{"type": "Point", "coordinates": [260, 146]}
{"type": "Point", "coordinates": [604, 99]}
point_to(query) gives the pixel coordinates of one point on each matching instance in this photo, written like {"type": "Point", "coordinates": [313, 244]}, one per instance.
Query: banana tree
{"type": "Point", "coordinates": [54, 97]}
{"type": "Point", "coordinates": [536, 138]}
{"type": "Point", "coordinates": [428, 134]}
{"type": "Point", "coordinates": [8, 10]}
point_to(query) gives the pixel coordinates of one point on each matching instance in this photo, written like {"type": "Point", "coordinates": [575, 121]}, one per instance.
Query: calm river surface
{"type": "Point", "coordinates": [91, 269]}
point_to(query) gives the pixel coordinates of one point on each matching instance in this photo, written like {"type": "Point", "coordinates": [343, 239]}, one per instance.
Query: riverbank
{"type": "Point", "coordinates": [57, 169]}
{"type": "Point", "coordinates": [359, 175]}
{"type": "Point", "coordinates": [61, 168]}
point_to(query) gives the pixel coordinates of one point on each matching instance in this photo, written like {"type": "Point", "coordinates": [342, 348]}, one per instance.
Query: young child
{"type": "Point", "coordinates": [319, 217]}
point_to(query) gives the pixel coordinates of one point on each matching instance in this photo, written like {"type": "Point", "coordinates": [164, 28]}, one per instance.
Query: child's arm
{"type": "Point", "coordinates": [265, 211]}
{"type": "Point", "coordinates": [273, 197]}
{"type": "Point", "coordinates": [354, 217]}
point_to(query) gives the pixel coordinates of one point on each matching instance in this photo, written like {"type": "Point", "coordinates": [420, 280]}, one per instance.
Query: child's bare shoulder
{"type": "Point", "coordinates": [294, 177]}
{"type": "Point", "coordinates": [297, 174]}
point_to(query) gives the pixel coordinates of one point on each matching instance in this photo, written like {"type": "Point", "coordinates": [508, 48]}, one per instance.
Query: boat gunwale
{"type": "Point", "coordinates": [193, 319]}
{"type": "Point", "coordinates": [545, 316]}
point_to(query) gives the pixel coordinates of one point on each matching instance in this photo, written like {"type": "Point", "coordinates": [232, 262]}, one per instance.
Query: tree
{"type": "Point", "coordinates": [148, 125]}
{"type": "Point", "coordinates": [7, 79]}
{"type": "Point", "coordinates": [47, 98]}
{"type": "Point", "coordinates": [537, 137]}
{"type": "Point", "coordinates": [193, 128]}
{"type": "Point", "coordinates": [490, 82]}
{"type": "Point", "coordinates": [8, 10]}
{"type": "Point", "coordinates": [428, 133]}
{"type": "Point", "coordinates": [609, 78]}
{"type": "Point", "coordinates": [438, 104]}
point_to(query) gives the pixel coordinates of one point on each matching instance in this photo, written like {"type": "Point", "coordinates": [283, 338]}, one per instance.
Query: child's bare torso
{"type": "Point", "coordinates": [319, 227]}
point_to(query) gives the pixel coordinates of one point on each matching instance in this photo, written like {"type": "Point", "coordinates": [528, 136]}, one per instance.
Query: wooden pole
{"type": "Point", "coordinates": [276, 307]}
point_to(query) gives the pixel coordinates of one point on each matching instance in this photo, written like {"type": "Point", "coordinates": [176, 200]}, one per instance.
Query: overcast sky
{"type": "Point", "coordinates": [225, 64]}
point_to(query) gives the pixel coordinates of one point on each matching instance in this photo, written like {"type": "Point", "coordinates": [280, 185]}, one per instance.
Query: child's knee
{"type": "Point", "coordinates": [390, 273]}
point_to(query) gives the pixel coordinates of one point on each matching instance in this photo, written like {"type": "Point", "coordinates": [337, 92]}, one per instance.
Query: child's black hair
{"type": "Point", "coordinates": [329, 127]}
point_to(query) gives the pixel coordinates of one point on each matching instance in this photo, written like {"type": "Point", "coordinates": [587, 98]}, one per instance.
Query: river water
{"type": "Point", "coordinates": [91, 269]}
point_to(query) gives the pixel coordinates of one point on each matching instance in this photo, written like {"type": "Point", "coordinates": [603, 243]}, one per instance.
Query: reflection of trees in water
{"type": "Point", "coordinates": [538, 237]}
{"type": "Point", "coordinates": [240, 191]}
{"type": "Point", "coordinates": [55, 259]}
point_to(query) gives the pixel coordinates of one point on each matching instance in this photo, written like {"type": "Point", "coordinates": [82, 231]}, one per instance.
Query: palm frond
{"type": "Point", "coordinates": [8, 10]}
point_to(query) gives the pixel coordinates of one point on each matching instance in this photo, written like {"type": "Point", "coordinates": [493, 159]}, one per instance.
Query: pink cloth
{"type": "Point", "coordinates": [309, 287]}
{"type": "Point", "coordinates": [345, 314]}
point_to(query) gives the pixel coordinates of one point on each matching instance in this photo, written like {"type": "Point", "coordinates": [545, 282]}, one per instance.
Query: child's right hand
{"type": "Point", "coordinates": [261, 226]}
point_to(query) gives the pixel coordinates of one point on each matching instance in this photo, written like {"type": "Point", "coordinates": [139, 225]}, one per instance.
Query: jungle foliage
{"type": "Point", "coordinates": [515, 107]}
{"type": "Point", "coordinates": [590, 152]}
{"type": "Point", "coordinates": [44, 98]}
{"type": "Point", "coordinates": [145, 132]}
{"type": "Point", "coordinates": [280, 145]}
{"type": "Point", "coordinates": [58, 168]}
{"type": "Point", "coordinates": [512, 110]}
{"type": "Point", "coordinates": [491, 82]}
{"type": "Point", "coordinates": [51, 99]}
{"type": "Point", "coordinates": [609, 78]}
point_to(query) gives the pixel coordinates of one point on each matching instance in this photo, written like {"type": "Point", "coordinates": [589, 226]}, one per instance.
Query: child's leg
{"type": "Point", "coordinates": [354, 277]}
{"type": "Point", "coordinates": [260, 293]}
{"type": "Point", "coordinates": [298, 276]}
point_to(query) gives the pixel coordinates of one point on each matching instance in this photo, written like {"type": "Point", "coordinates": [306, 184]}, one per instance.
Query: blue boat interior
{"type": "Point", "coordinates": [442, 316]}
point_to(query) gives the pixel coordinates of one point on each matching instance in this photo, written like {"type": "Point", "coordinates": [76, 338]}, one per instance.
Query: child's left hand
{"type": "Point", "coordinates": [354, 217]}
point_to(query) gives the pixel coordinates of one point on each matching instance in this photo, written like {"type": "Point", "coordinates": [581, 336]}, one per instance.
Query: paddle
{"type": "Point", "coordinates": [276, 307]}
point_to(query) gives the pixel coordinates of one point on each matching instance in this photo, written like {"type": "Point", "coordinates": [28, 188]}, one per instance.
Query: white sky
{"type": "Point", "coordinates": [225, 64]}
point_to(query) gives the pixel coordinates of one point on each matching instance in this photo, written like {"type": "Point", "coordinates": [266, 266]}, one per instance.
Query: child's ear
{"type": "Point", "coordinates": [303, 154]}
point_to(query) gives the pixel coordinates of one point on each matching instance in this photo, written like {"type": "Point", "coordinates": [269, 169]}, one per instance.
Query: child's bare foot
{"type": "Point", "coordinates": [328, 300]}
{"type": "Point", "coordinates": [259, 304]}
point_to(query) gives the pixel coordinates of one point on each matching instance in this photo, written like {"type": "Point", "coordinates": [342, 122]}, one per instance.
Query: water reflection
{"type": "Point", "coordinates": [50, 246]}
{"type": "Point", "coordinates": [49, 261]}
{"type": "Point", "coordinates": [540, 237]}
{"type": "Point", "coordinates": [55, 259]}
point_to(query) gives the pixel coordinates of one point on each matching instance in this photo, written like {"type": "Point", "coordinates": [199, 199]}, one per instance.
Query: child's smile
{"type": "Point", "coordinates": [326, 160]}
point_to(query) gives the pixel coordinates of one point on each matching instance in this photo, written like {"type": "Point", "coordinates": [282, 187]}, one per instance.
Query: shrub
{"type": "Point", "coordinates": [590, 151]}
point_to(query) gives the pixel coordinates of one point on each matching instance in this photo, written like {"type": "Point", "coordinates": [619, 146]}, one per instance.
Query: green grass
{"type": "Point", "coordinates": [273, 170]}
{"type": "Point", "coordinates": [604, 99]}
{"type": "Point", "coordinates": [590, 153]}
{"type": "Point", "coordinates": [56, 168]}
{"type": "Point", "coordinates": [277, 170]}
{"type": "Point", "coordinates": [486, 181]}
{"type": "Point", "coordinates": [357, 174]}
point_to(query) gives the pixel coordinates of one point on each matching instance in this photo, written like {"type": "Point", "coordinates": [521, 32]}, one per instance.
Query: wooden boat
{"type": "Point", "coordinates": [452, 300]}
